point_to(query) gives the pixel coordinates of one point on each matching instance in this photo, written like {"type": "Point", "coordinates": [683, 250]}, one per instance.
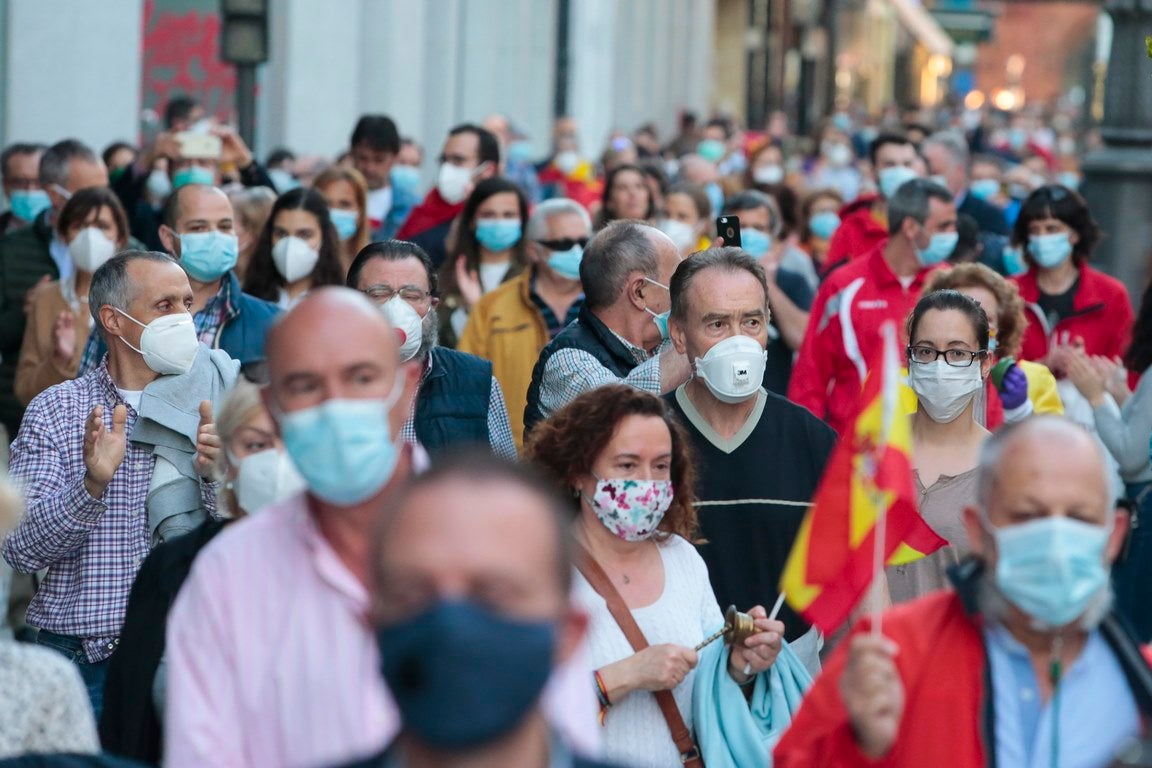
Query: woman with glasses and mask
{"type": "Point", "coordinates": [1071, 305]}
{"type": "Point", "coordinates": [948, 363]}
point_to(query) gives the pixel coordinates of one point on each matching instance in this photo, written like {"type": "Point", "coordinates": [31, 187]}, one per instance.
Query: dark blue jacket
{"type": "Point", "coordinates": [452, 404]}
{"type": "Point", "coordinates": [589, 335]}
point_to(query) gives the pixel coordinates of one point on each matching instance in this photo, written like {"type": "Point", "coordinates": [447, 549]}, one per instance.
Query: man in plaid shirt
{"type": "Point", "coordinates": [85, 481]}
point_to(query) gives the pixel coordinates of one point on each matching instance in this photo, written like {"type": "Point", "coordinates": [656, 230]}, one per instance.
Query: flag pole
{"type": "Point", "coordinates": [888, 399]}
{"type": "Point", "coordinates": [878, 568]}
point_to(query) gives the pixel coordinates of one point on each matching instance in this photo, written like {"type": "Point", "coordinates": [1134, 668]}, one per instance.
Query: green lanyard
{"type": "Point", "coordinates": [1055, 671]}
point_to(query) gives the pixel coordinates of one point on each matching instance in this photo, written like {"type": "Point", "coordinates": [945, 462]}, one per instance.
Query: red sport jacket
{"type": "Point", "coordinates": [1102, 315]}
{"type": "Point", "coordinates": [859, 232]}
{"type": "Point", "coordinates": [843, 335]}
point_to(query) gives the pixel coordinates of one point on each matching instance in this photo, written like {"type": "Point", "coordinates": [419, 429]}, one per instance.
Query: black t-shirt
{"type": "Point", "coordinates": [780, 454]}
{"type": "Point", "coordinates": [1058, 306]}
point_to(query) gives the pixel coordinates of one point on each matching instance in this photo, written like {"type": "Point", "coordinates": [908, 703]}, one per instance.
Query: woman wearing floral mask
{"type": "Point", "coordinates": [94, 227]}
{"type": "Point", "coordinates": [1071, 306]}
{"type": "Point", "coordinates": [255, 472]}
{"type": "Point", "coordinates": [627, 466]}
{"type": "Point", "coordinates": [948, 364]}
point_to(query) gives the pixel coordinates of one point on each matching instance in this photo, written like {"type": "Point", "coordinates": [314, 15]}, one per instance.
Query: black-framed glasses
{"type": "Point", "coordinates": [381, 293]}
{"type": "Point", "coordinates": [565, 244]}
{"type": "Point", "coordinates": [957, 358]}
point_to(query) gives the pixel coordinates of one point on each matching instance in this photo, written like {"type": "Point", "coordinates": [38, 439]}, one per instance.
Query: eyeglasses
{"type": "Point", "coordinates": [382, 293]}
{"type": "Point", "coordinates": [565, 244]}
{"type": "Point", "coordinates": [957, 358]}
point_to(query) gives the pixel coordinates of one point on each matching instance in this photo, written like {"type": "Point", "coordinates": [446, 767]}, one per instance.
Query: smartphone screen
{"type": "Point", "coordinates": [728, 227]}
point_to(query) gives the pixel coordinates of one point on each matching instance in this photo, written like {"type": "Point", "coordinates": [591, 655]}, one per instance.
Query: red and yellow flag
{"type": "Point", "coordinates": [868, 478]}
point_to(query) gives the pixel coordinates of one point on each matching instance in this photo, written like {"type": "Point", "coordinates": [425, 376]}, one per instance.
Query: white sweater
{"type": "Point", "coordinates": [635, 734]}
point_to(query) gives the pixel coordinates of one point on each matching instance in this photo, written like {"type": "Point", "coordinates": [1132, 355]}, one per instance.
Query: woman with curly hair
{"type": "Point", "coordinates": [1017, 388]}
{"type": "Point", "coordinates": [625, 462]}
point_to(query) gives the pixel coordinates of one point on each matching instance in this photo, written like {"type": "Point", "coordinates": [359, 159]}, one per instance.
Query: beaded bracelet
{"type": "Point", "coordinates": [602, 696]}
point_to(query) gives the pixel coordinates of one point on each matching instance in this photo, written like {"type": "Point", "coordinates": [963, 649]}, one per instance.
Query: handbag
{"type": "Point", "coordinates": [599, 581]}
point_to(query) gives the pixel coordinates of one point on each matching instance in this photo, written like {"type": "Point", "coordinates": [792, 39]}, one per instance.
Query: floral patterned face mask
{"type": "Point", "coordinates": [631, 509]}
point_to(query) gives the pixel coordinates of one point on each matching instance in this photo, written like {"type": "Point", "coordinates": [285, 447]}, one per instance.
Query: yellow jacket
{"type": "Point", "coordinates": [507, 328]}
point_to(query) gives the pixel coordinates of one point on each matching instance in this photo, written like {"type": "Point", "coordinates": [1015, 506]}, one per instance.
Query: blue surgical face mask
{"type": "Point", "coordinates": [824, 224]}
{"type": "Point", "coordinates": [567, 263]}
{"type": "Point", "coordinates": [206, 256]}
{"type": "Point", "coordinates": [755, 242]}
{"type": "Point", "coordinates": [27, 204]}
{"type": "Point", "coordinates": [940, 247]}
{"type": "Point", "coordinates": [405, 178]}
{"type": "Point", "coordinates": [498, 234]}
{"type": "Point", "coordinates": [344, 221]}
{"type": "Point", "coordinates": [660, 319]}
{"type": "Point", "coordinates": [1014, 263]}
{"type": "Point", "coordinates": [343, 448]}
{"type": "Point", "coordinates": [1050, 250]}
{"type": "Point", "coordinates": [1051, 568]}
{"type": "Point", "coordinates": [892, 178]}
{"type": "Point", "coordinates": [712, 150]}
{"type": "Point", "coordinates": [462, 675]}
{"type": "Point", "coordinates": [193, 174]}
{"type": "Point", "coordinates": [715, 196]}
{"type": "Point", "coordinates": [984, 189]}
{"type": "Point", "coordinates": [520, 152]}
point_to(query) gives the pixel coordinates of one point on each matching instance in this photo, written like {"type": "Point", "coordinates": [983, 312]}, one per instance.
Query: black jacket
{"type": "Point", "coordinates": [989, 218]}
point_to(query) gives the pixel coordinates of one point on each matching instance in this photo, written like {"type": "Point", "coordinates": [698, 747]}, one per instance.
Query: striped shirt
{"type": "Point", "coordinates": [92, 548]}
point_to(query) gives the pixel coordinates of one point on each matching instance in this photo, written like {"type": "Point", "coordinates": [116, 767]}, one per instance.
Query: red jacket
{"type": "Point", "coordinates": [843, 335]}
{"type": "Point", "coordinates": [1102, 316]}
{"type": "Point", "coordinates": [859, 232]}
{"type": "Point", "coordinates": [940, 662]}
{"type": "Point", "coordinates": [948, 717]}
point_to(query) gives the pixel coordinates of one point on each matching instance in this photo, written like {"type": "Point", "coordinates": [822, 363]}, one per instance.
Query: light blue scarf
{"type": "Point", "coordinates": [731, 731]}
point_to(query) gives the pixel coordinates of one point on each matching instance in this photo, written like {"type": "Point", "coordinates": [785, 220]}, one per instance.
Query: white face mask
{"type": "Point", "coordinates": [733, 369]}
{"type": "Point", "coordinates": [294, 258]}
{"type": "Point", "coordinates": [944, 391]}
{"type": "Point", "coordinates": [158, 186]}
{"type": "Point", "coordinates": [408, 322]}
{"type": "Point", "coordinates": [265, 478]}
{"type": "Point", "coordinates": [566, 161]}
{"type": "Point", "coordinates": [90, 248]}
{"type": "Point", "coordinates": [682, 234]}
{"type": "Point", "coordinates": [168, 343]}
{"type": "Point", "coordinates": [768, 174]}
{"type": "Point", "coordinates": [454, 183]}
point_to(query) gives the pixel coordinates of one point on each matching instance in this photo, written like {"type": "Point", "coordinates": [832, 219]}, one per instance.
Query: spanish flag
{"type": "Point", "coordinates": [868, 478]}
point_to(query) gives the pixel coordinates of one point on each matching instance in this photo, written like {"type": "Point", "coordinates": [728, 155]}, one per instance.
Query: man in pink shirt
{"type": "Point", "coordinates": [271, 656]}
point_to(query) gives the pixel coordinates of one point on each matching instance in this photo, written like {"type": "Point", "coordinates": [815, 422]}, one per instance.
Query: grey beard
{"type": "Point", "coordinates": [995, 607]}
{"type": "Point", "coordinates": [429, 333]}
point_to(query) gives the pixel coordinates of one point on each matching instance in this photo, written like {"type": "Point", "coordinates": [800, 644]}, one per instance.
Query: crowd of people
{"type": "Point", "coordinates": [313, 466]}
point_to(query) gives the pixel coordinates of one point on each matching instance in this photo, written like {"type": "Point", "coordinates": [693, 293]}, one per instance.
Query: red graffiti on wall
{"type": "Point", "coordinates": [181, 56]}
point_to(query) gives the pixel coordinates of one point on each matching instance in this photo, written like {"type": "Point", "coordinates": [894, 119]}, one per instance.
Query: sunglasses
{"type": "Point", "coordinates": [565, 244]}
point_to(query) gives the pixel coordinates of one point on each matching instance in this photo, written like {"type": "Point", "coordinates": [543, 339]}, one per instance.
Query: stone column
{"type": "Point", "coordinates": [1118, 178]}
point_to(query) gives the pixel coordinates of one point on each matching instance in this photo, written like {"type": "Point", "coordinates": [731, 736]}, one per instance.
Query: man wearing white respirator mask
{"type": "Point", "coordinates": [117, 460]}
{"type": "Point", "coordinates": [759, 457]}
{"type": "Point", "coordinates": [458, 401]}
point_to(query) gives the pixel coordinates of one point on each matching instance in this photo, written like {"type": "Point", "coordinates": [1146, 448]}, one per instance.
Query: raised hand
{"type": "Point", "coordinates": [207, 442]}
{"type": "Point", "coordinates": [873, 693]}
{"type": "Point", "coordinates": [103, 448]}
{"type": "Point", "coordinates": [469, 283]}
{"type": "Point", "coordinates": [64, 338]}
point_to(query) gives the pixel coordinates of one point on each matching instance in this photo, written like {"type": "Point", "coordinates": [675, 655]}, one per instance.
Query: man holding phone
{"type": "Point", "coordinates": [471, 154]}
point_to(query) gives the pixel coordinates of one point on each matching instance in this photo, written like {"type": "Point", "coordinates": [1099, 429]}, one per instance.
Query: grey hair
{"type": "Point", "coordinates": [951, 142]}
{"type": "Point", "coordinates": [110, 284]}
{"type": "Point", "coordinates": [538, 222]}
{"type": "Point", "coordinates": [911, 202]}
{"type": "Point", "coordinates": [621, 248]}
{"type": "Point", "coordinates": [727, 259]}
{"type": "Point", "coordinates": [57, 159]}
{"type": "Point", "coordinates": [993, 450]}
{"type": "Point", "coordinates": [751, 199]}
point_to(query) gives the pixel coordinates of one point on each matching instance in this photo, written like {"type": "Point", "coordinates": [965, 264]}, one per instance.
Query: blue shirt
{"type": "Point", "coordinates": [58, 250]}
{"type": "Point", "coordinates": [1097, 713]}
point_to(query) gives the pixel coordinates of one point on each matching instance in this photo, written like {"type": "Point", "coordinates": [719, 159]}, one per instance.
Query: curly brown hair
{"type": "Point", "coordinates": [1011, 323]}
{"type": "Point", "coordinates": [568, 443]}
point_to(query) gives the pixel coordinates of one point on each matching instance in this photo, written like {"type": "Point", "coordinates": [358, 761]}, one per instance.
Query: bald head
{"type": "Point", "coordinates": [193, 209]}
{"type": "Point", "coordinates": [334, 344]}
